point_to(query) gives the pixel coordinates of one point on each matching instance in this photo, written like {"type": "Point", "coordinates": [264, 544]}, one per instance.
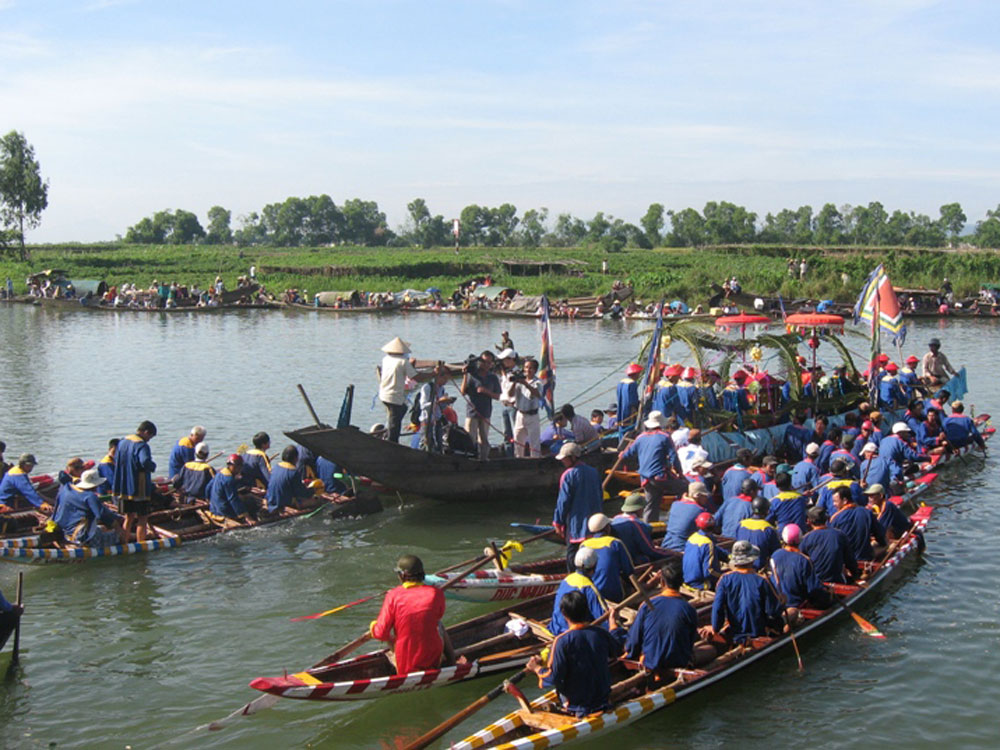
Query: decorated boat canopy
{"type": "Point", "coordinates": [728, 322]}
{"type": "Point", "coordinates": [811, 321]}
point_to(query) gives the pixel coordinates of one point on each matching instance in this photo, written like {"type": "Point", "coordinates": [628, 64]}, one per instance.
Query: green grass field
{"type": "Point", "coordinates": [683, 273]}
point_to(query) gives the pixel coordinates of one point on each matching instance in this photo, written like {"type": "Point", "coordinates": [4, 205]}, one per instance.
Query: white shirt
{"type": "Point", "coordinates": [680, 437]}
{"type": "Point", "coordinates": [582, 429]}
{"type": "Point", "coordinates": [523, 400]}
{"type": "Point", "coordinates": [508, 396]}
{"type": "Point", "coordinates": [392, 385]}
{"type": "Point", "coordinates": [688, 454]}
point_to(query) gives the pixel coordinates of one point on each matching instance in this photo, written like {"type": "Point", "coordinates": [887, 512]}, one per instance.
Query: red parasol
{"type": "Point", "coordinates": [742, 320]}
{"type": "Point", "coordinates": [814, 320]}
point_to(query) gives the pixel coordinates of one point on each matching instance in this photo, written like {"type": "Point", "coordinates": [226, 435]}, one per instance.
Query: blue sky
{"type": "Point", "coordinates": [135, 106]}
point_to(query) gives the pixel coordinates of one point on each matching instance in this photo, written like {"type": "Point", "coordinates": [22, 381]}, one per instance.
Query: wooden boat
{"type": "Point", "coordinates": [484, 642]}
{"type": "Point", "coordinates": [441, 476]}
{"type": "Point", "coordinates": [543, 725]}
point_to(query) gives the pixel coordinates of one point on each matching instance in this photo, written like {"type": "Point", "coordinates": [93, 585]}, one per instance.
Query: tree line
{"type": "Point", "coordinates": [318, 220]}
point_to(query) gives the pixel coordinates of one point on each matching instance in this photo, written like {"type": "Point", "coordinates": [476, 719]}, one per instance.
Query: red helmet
{"type": "Point", "coordinates": [892, 367]}
{"type": "Point", "coordinates": [234, 458]}
{"type": "Point", "coordinates": [883, 358]}
{"type": "Point", "coordinates": [704, 521]}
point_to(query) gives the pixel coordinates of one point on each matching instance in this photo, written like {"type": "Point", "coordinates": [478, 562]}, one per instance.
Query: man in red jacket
{"type": "Point", "coordinates": [411, 619]}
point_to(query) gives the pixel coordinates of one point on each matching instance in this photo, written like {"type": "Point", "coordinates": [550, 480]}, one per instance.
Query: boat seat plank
{"type": "Point", "coordinates": [545, 720]}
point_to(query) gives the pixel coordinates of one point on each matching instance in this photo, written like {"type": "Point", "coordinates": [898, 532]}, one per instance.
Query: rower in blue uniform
{"type": "Point", "coordinates": [961, 430]}
{"type": "Point", "coordinates": [183, 451]}
{"type": "Point", "coordinates": [805, 475]}
{"type": "Point", "coordinates": [287, 488]}
{"type": "Point", "coordinates": [628, 400]}
{"type": "Point", "coordinates": [829, 549]}
{"type": "Point", "coordinates": [636, 534]}
{"type": "Point", "coordinates": [683, 512]}
{"type": "Point", "coordinates": [736, 508]}
{"type": "Point", "coordinates": [746, 606]}
{"type": "Point", "coordinates": [580, 497]}
{"type": "Point", "coordinates": [732, 478]}
{"type": "Point", "coordinates": [703, 558]}
{"type": "Point", "coordinates": [794, 576]}
{"type": "Point", "coordinates": [192, 480]}
{"type": "Point", "coordinates": [224, 500]}
{"type": "Point", "coordinates": [858, 523]}
{"type": "Point", "coordinates": [256, 464]}
{"type": "Point", "coordinates": [613, 562]}
{"type": "Point", "coordinates": [585, 561]}
{"type": "Point", "coordinates": [107, 464]}
{"type": "Point", "coordinates": [83, 518]}
{"type": "Point", "coordinates": [16, 488]}
{"type": "Point", "coordinates": [758, 529]}
{"type": "Point", "coordinates": [788, 506]}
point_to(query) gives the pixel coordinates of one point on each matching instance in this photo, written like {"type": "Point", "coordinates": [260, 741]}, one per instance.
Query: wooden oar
{"type": "Point", "coordinates": [611, 472]}
{"type": "Point", "coordinates": [477, 558]}
{"type": "Point", "coordinates": [15, 651]}
{"type": "Point", "coordinates": [866, 627]}
{"type": "Point", "coordinates": [312, 411]}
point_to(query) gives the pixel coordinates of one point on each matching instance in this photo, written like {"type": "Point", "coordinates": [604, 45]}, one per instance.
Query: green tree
{"type": "Point", "coordinates": [185, 229]}
{"type": "Point", "coordinates": [533, 227]}
{"type": "Point", "coordinates": [144, 232]}
{"type": "Point", "coordinates": [953, 220]}
{"type": "Point", "coordinates": [23, 192]}
{"type": "Point", "coordinates": [652, 224]}
{"type": "Point", "coordinates": [503, 225]}
{"type": "Point", "coordinates": [828, 226]}
{"type": "Point", "coordinates": [251, 231]}
{"type": "Point", "coordinates": [687, 228]}
{"type": "Point", "coordinates": [364, 224]}
{"type": "Point", "coordinates": [323, 222]}
{"type": "Point", "coordinates": [727, 223]}
{"type": "Point", "coordinates": [475, 221]}
{"type": "Point", "coordinates": [988, 230]}
{"type": "Point", "coordinates": [568, 231]}
{"type": "Point", "coordinates": [219, 231]}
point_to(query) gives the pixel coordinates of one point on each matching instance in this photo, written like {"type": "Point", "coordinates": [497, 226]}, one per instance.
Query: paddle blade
{"type": "Point", "coordinates": [866, 627]}
{"type": "Point", "coordinates": [318, 615]}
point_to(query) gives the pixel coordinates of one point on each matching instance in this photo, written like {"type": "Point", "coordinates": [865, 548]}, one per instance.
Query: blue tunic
{"type": "Point", "coordinates": [961, 431]}
{"type": "Point", "coordinates": [797, 437]}
{"type": "Point", "coordinates": [849, 460]}
{"type": "Point", "coordinates": [734, 398]}
{"type": "Point", "coordinates": [326, 470]}
{"type": "Point", "coordinates": [748, 603]}
{"type": "Point", "coordinates": [17, 484]}
{"type": "Point", "coordinates": [786, 508]}
{"type": "Point", "coordinates": [895, 451]}
{"type": "Point", "coordinates": [889, 393]}
{"type": "Point", "coordinates": [223, 495]}
{"type": "Point", "coordinates": [702, 560]}
{"type": "Point", "coordinates": [805, 475]}
{"type": "Point", "coordinates": [580, 497]}
{"type": "Point", "coordinates": [575, 582]}
{"type": "Point", "coordinates": [680, 523]}
{"type": "Point", "coordinates": [826, 449]}
{"type": "Point", "coordinates": [687, 398]}
{"type": "Point", "coordinates": [613, 563]}
{"type": "Point", "coordinates": [77, 506]}
{"type": "Point", "coordinates": [665, 399]}
{"type": "Point", "coordinates": [732, 512]}
{"type": "Point", "coordinates": [193, 478]}
{"type": "Point", "coordinates": [637, 535]}
{"type": "Point", "coordinates": [732, 480]}
{"type": "Point", "coordinates": [860, 525]}
{"type": "Point", "coordinates": [256, 469]}
{"type": "Point", "coordinates": [830, 552]}
{"type": "Point", "coordinates": [180, 454]}
{"type": "Point", "coordinates": [891, 518]}
{"type": "Point", "coordinates": [134, 467]}
{"type": "Point", "coordinates": [655, 451]}
{"type": "Point", "coordinates": [874, 470]}
{"type": "Point", "coordinates": [825, 497]}
{"type": "Point", "coordinates": [285, 486]}
{"type": "Point", "coordinates": [628, 404]}
{"type": "Point", "coordinates": [760, 534]}
{"type": "Point", "coordinates": [664, 632]}
{"type": "Point", "coordinates": [107, 470]}
{"type": "Point", "coordinates": [793, 575]}
{"type": "Point", "coordinates": [578, 667]}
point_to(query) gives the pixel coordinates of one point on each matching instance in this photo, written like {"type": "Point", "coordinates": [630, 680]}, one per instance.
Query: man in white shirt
{"type": "Point", "coordinates": [527, 398]}
{"type": "Point", "coordinates": [508, 366]}
{"type": "Point", "coordinates": [393, 372]}
{"type": "Point", "coordinates": [691, 452]}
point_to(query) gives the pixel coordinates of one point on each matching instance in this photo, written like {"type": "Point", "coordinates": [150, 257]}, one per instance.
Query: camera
{"type": "Point", "coordinates": [471, 363]}
{"type": "Point", "coordinates": [517, 375]}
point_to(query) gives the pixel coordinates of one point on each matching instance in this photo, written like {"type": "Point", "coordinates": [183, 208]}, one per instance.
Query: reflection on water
{"type": "Point", "coordinates": [140, 650]}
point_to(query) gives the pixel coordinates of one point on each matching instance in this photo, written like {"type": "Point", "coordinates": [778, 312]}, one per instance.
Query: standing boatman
{"type": "Point", "coordinates": [393, 372]}
{"type": "Point", "coordinates": [628, 399]}
{"type": "Point", "coordinates": [935, 367]}
{"type": "Point", "coordinates": [133, 480]}
{"type": "Point", "coordinates": [580, 497]}
{"type": "Point", "coordinates": [657, 461]}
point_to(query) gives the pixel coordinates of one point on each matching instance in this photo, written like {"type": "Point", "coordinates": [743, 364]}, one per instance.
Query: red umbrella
{"type": "Point", "coordinates": [742, 320]}
{"type": "Point", "coordinates": [802, 321]}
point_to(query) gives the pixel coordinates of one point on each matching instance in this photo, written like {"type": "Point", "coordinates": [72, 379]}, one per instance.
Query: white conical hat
{"type": "Point", "coordinates": [396, 346]}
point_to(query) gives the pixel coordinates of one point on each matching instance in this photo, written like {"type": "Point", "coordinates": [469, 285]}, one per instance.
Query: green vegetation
{"type": "Point", "coordinates": [683, 273]}
{"type": "Point", "coordinates": [23, 193]}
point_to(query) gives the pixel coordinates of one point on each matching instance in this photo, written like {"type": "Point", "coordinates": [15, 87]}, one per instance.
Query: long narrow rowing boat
{"type": "Point", "coordinates": [544, 725]}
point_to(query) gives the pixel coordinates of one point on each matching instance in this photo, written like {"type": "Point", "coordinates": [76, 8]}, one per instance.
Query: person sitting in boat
{"type": "Point", "coordinates": [692, 451]}
{"type": "Point", "coordinates": [583, 431]}
{"type": "Point", "coordinates": [83, 518]}
{"type": "Point", "coordinates": [681, 522]}
{"type": "Point", "coordinates": [873, 468]}
{"type": "Point", "coordinates": [828, 549]}
{"type": "Point", "coordinates": [665, 630]}
{"type": "Point", "coordinates": [16, 488]}
{"type": "Point", "coordinates": [788, 506]}
{"type": "Point", "coordinates": [611, 416]}
{"type": "Point", "coordinates": [701, 471]}
{"type": "Point", "coordinates": [746, 606]}
{"type": "Point", "coordinates": [914, 414]}
{"type": "Point", "coordinates": [794, 576]}
{"type": "Point", "coordinates": [329, 473]}
{"type": "Point", "coordinates": [797, 437]}
{"type": "Point", "coordinates": [256, 464]}
{"type": "Point", "coordinates": [580, 497]}
{"type": "Point", "coordinates": [703, 558]}
{"type": "Point", "coordinates": [960, 430]}
{"type": "Point", "coordinates": [838, 477]}
{"type": "Point", "coordinates": [935, 367]}
{"type": "Point", "coordinates": [845, 453]}
{"type": "Point", "coordinates": [737, 508]}
{"type": "Point", "coordinates": [894, 522]}
{"type": "Point", "coordinates": [636, 534]}
{"type": "Point", "coordinates": [192, 480]}
{"type": "Point", "coordinates": [287, 488]}
{"type": "Point", "coordinates": [410, 619]}
{"type": "Point", "coordinates": [628, 399]}
{"type": "Point", "coordinates": [826, 449]}
{"type": "Point", "coordinates": [909, 381]}
{"type": "Point", "coordinates": [556, 435]}
{"type": "Point", "coordinates": [897, 449]}
{"type": "Point", "coordinates": [183, 451]}
{"type": "Point", "coordinates": [734, 477]}
{"type": "Point", "coordinates": [107, 464]}
{"type": "Point", "coordinates": [765, 476]}
{"type": "Point", "coordinates": [760, 532]}
{"type": "Point", "coordinates": [10, 615]}
{"type": "Point", "coordinates": [581, 581]}
{"type": "Point", "coordinates": [806, 473]}
{"type": "Point", "coordinates": [224, 501]}
{"type": "Point", "coordinates": [578, 662]}
{"type": "Point", "coordinates": [930, 433]}
{"type": "Point", "coordinates": [74, 469]}
{"type": "Point", "coordinates": [657, 460]}
{"type": "Point", "coordinates": [858, 523]}
{"type": "Point", "coordinates": [614, 564]}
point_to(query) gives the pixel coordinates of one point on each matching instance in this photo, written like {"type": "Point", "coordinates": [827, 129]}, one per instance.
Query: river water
{"type": "Point", "coordinates": [139, 651]}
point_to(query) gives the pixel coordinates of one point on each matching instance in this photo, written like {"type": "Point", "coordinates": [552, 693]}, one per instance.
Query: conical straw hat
{"type": "Point", "coordinates": [396, 346]}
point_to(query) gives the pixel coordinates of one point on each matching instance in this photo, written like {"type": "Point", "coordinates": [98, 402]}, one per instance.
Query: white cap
{"type": "Point", "coordinates": [654, 421]}
{"type": "Point", "coordinates": [812, 449]}
{"type": "Point", "coordinates": [508, 352]}
{"type": "Point", "coordinates": [568, 449]}
{"type": "Point", "coordinates": [90, 479]}
{"type": "Point", "coordinates": [900, 427]}
{"type": "Point", "coordinates": [697, 489]}
{"type": "Point", "coordinates": [870, 448]}
{"type": "Point", "coordinates": [597, 522]}
{"type": "Point", "coordinates": [585, 558]}
{"type": "Point", "coordinates": [201, 450]}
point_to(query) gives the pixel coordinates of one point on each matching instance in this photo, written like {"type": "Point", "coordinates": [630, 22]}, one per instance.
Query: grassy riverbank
{"type": "Point", "coordinates": [684, 273]}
